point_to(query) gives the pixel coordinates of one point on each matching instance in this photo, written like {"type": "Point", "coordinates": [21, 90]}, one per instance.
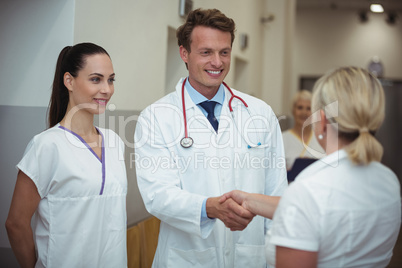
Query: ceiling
{"type": "Point", "coordinates": [360, 5]}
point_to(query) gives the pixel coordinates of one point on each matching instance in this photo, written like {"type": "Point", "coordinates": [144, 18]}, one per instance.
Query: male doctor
{"type": "Point", "coordinates": [181, 180]}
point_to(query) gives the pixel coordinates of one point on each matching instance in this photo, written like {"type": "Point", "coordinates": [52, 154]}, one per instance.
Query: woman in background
{"type": "Point", "coordinates": [72, 179]}
{"type": "Point", "coordinates": [299, 141]}
{"type": "Point", "coordinates": [344, 210]}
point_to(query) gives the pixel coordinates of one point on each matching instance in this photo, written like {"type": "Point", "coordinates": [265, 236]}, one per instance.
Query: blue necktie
{"type": "Point", "coordinates": [209, 107]}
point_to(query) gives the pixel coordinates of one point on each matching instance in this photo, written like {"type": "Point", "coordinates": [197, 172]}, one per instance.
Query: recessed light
{"type": "Point", "coordinates": [376, 8]}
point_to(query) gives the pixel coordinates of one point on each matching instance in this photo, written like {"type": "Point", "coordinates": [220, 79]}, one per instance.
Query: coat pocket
{"type": "Point", "coordinates": [249, 256]}
{"type": "Point", "coordinates": [192, 258]}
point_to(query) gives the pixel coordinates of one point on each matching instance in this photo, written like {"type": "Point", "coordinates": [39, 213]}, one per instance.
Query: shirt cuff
{"type": "Point", "coordinates": [204, 216]}
{"type": "Point", "coordinates": [206, 222]}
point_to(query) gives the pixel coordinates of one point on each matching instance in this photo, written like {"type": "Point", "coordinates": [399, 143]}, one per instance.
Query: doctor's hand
{"type": "Point", "coordinates": [259, 204]}
{"type": "Point", "coordinates": [233, 215]}
{"type": "Point", "coordinates": [238, 196]}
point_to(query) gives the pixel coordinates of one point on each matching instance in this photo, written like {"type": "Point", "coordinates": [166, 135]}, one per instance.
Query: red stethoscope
{"type": "Point", "coordinates": [187, 141]}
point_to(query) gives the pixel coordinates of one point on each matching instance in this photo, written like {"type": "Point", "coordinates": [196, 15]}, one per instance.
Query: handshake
{"type": "Point", "coordinates": [236, 209]}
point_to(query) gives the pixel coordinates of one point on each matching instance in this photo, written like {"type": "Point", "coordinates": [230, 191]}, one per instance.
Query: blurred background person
{"type": "Point", "coordinates": [300, 136]}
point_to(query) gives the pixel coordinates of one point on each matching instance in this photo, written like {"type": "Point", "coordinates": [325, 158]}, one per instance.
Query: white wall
{"type": "Point", "coordinates": [32, 33]}
{"type": "Point", "coordinates": [135, 33]}
{"type": "Point", "coordinates": [333, 38]}
{"type": "Point", "coordinates": [277, 53]}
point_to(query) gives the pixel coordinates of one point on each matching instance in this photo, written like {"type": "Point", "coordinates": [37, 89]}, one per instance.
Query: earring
{"type": "Point", "coordinates": [320, 136]}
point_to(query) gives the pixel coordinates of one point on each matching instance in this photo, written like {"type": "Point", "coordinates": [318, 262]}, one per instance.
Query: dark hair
{"type": "Point", "coordinates": [212, 18]}
{"type": "Point", "coordinates": [72, 60]}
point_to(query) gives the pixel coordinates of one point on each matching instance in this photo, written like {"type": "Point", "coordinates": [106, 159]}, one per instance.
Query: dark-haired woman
{"type": "Point", "coordinates": [72, 179]}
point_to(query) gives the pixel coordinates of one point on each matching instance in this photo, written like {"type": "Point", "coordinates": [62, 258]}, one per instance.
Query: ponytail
{"type": "Point", "coordinates": [360, 111]}
{"type": "Point", "coordinates": [364, 149]}
{"type": "Point", "coordinates": [59, 99]}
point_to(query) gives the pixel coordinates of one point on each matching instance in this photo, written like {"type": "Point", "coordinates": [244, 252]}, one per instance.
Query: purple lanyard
{"type": "Point", "coordinates": [90, 149]}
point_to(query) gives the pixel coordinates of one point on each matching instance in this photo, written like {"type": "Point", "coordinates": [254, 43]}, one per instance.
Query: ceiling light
{"type": "Point", "coordinates": [376, 8]}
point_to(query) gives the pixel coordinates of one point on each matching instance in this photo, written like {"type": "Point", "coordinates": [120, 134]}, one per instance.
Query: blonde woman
{"type": "Point", "coordinates": [299, 141]}
{"type": "Point", "coordinates": [344, 210]}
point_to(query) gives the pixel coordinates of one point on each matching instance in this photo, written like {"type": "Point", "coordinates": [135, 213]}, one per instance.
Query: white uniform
{"type": "Point", "coordinates": [350, 214]}
{"type": "Point", "coordinates": [294, 148]}
{"type": "Point", "coordinates": [174, 181]}
{"type": "Point", "coordinates": [81, 217]}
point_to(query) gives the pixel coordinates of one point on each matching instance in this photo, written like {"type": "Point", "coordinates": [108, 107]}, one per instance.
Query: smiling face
{"type": "Point", "coordinates": [301, 111]}
{"type": "Point", "coordinates": [93, 87]}
{"type": "Point", "coordinates": [209, 60]}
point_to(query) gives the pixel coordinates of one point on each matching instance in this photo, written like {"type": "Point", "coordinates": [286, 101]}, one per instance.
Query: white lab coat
{"type": "Point", "coordinates": [174, 181]}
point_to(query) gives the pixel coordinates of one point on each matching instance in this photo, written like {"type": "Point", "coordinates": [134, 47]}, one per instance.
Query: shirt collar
{"type": "Point", "coordinates": [197, 97]}
{"type": "Point", "coordinates": [332, 160]}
